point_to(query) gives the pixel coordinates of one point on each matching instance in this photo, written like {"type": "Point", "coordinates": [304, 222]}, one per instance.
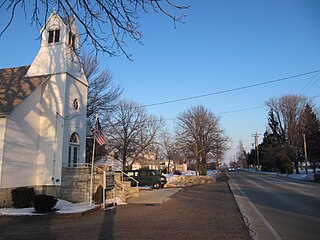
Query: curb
{"type": "Point", "coordinates": [244, 218]}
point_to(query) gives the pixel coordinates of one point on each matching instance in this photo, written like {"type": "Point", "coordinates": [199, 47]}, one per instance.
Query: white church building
{"type": "Point", "coordinates": [43, 111]}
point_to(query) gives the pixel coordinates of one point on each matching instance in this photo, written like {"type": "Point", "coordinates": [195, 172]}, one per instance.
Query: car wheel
{"type": "Point", "coordinates": [156, 185]}
{"type": "Point", "coordinates": [315, 178]}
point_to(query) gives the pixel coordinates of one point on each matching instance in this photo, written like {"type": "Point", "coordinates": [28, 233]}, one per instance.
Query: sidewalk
{"type": "Point", "coordinates": [154, 196]}
{"type": "Point", "coordinates": [200, 212]}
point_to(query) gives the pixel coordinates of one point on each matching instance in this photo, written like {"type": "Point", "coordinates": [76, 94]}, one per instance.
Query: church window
{"type": "Point", "coordinates": [72, 39]}
{"type": "Point", "coordinates": [76, 104]}
{"type": "Point", "coordinates": [57, 35]}
{"type": "Point", "coordinates": [54, 35]}
{"type": "Point", "coordinates": [74, 138]}
{"type": "Point", "coordinates": [74, 149]}
{"type": "Point", "coordinates": [50, 37]}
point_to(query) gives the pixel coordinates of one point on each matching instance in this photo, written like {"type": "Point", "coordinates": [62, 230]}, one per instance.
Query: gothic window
{"type": "Point", "coordinates": [74, 149]}
{"type": "Point", "coordinates": [54, 35]}
{"type": "Point", "coordinates": [74, 138]}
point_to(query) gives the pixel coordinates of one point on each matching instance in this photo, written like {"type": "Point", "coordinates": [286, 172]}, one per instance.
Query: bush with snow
{"type": "Point", "coordinates": [187, 179]}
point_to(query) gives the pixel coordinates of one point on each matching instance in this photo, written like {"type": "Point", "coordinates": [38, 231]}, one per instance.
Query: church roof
{"type": "Point", "coordinates": [15, 87]}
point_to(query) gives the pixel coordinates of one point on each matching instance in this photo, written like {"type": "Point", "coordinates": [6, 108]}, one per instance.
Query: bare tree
{"type": "Point", "coordinates": [103, 94]}
{"type": "Point", "coordinates": [287, 111]}
{"type": "Point", "coordinates": [170, 150]}
{"type": "Point", "coordinates": [220, 147]}
{"type": "Point", "coordinates": [132, 131]}
{"type": "Point", "coordinates": [105, 24]}
{"type": "Point", "coordinates": [241, 155]}
{"type": "Point", "coordinates": [198, 131]}
{"type": "Point", "coordinates": [102, 98]}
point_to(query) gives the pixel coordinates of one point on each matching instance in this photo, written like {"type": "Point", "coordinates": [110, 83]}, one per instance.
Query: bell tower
{"type": "Point", "coordinates": [58, 52]}
{"type": "Point", "coordinates": [62, 104]}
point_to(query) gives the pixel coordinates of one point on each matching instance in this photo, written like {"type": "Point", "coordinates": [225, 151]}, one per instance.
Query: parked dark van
{"type": "Point", "coordinates": [146, 178]}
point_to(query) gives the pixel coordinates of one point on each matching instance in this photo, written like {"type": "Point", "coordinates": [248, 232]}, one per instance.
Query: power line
{"type": "Point", "coordinates": [241, 110]}
{"type": "Point", "coordinates": [230, 111]}
{"type": "Point", "coordinates": [309, 84]}
{"type": "Point", "coordinates": [231, 90]}
{"type": "Point", "coordinates": [316, 96]}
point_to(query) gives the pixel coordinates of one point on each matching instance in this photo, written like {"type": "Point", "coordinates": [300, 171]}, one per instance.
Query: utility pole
{"type": "Point", "coordinates": [305, 153]}
{"type": "Point", "coordinates": [256, 138]}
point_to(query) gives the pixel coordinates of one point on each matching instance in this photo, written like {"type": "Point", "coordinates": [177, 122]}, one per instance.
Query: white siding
{"type": "Point", "coordinates": [2, 134]}
{"type": "Point", "coordinates": [21, 142]}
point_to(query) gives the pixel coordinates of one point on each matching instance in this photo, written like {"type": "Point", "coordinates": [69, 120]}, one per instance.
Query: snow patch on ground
{"type": "Point", "coordinates": [302, 176]}
{"type": "Point", "coordinates": [62, 207]}
{"type": "Point", "coordinates": [116, 201]}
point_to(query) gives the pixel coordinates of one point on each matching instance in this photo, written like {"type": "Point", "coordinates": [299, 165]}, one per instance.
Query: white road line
{"type": "Point", "coordinates": [264, 220]}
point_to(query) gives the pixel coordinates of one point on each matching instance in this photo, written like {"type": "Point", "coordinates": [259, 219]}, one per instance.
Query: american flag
{"type": "Point", "coordinates": [98, 134]}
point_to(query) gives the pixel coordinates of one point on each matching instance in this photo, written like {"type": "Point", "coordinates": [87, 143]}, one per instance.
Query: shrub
{"type": "Point", "coordinates": [44, 203]}
{"type": "Point", "coordinates": [283, 163]}
{"type": "Point", "coordinates": [22, 197]}
{"type": "Point", "coordinates": [98, 196]}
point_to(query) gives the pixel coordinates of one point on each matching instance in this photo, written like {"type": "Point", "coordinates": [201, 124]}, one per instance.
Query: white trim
{"type": "Point", "coordinates": [77, 79]}
{"type": "Point", "coordinates": [54, 13]}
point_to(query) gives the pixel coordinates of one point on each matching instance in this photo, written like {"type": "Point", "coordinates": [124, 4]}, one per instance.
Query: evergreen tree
{"type": "Point", "coordinates": [274, 156]}
{"type": "Point", "coordinates": [252, 159]}
{"type": "Point", "coordinates": [310, 126]}
{"type": "Point", "coordinates": [287, 111]}
{"type": "Point", "coordinates": [274, 150]}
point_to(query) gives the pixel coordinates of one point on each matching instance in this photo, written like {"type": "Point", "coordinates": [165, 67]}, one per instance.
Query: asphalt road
{"type": "Point", "coordinates": [277, 207]}
{"type": "Point", "coordinates": [194, 213]}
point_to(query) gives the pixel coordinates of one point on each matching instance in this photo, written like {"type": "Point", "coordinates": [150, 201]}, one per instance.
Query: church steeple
{"type": "Point", "coordinates": [58, 52]}
{"type": "Point", "coordinates": [60, 31]}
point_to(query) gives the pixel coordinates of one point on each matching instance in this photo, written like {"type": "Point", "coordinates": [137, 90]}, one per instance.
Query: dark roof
{"type": "Point", "coordinates": [15, 87]}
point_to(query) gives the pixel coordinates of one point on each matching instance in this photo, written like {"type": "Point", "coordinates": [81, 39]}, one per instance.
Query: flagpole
{"type": "Point", "coordinates": [92, 163]}
{"type": "Point", "coordinates": [91, 176]}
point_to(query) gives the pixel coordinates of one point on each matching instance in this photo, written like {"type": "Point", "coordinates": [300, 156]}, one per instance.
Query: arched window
{"type": "Point", "coordinates": [74, 147]}
{"type": "Point", "coordinates": [74, 138]}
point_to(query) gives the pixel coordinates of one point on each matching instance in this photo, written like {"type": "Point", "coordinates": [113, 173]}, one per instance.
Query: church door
{"type": "Point", "coordinates": [74, 149]}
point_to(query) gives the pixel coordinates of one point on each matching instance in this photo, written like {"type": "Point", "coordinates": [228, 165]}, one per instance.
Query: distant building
{"type": "Point", "coordinates": [43, 111]}
{"type": "Point", "coordinates": [146, 164]}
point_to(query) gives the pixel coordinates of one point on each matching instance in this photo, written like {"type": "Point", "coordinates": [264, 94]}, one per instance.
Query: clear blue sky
{"type": "Point", "coordinates": [223, 45]}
